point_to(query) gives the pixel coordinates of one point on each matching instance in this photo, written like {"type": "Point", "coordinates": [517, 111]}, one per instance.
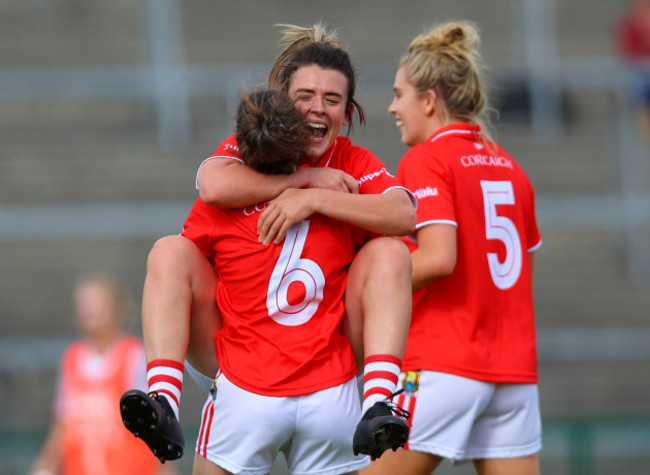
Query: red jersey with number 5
{"type": "Point", "coordinates": [282, 304]}
{"type": "Point", "coordinates": [479, 321]}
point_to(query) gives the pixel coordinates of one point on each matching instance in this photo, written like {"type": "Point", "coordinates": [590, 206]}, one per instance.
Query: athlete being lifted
{"type": "Point", "coordinates": [296, 231]}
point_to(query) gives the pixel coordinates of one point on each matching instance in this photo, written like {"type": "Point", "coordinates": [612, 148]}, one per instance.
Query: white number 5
{"type": "Point", "coordinates": [289, 269]}
{"type": "Point", "coordinates": [504, 274]}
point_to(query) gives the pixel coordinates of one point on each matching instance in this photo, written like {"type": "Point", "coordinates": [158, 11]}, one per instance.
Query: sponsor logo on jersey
{"type": "Point", "coordinates": [485, 160]}
{"type": "Point", "coordinates": [424, 192]}
{"type": "Point", "coordinates": [372, 176]}
{"type": "Point", "coordinates": [231, 147]}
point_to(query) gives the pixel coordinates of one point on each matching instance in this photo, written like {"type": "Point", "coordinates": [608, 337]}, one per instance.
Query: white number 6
{"type": "Point", "coordinates": [292, 268]}
{"type": "Point", "coordinates": [504, 274]}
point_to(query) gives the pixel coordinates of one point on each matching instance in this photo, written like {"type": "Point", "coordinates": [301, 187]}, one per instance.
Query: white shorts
{"type": "Point", "coordinates": [243, 432]}
{"type": "Point", "coordinates": [463, 419]}
{"type": "Point", "coordinates": [203, 381]}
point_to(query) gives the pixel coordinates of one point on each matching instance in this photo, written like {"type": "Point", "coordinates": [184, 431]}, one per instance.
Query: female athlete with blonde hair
{"type": "Point", "coordinates": [470, 369]}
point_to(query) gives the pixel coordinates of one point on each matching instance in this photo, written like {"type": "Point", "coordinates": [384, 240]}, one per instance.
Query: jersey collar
{"type": "Point", "coordinates": [464, 129]}
{"type": "Point", "coordinates": [326, 158]}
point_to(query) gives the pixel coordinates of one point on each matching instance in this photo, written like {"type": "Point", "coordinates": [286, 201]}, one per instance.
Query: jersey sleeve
{"type": "Point", "coordinates": [228, 149]}
{"type": "Point", "coordinates": [372, 174]}
{"type": "Point", "coordinates": [431, 183]}
{"type": "Point", "coordinates": [198, 227]}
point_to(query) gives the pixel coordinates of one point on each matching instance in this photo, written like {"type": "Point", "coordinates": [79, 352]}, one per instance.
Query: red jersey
{"type": "Point", "coordinates": [479, 321]}
{"type": "Point", "coordinates": [282, 304]}
{"type": "Point", "coordinates": [90, 386]}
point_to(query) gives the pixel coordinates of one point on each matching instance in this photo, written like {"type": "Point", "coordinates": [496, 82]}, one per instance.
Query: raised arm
{"type": "Point", "coordinates": [227, 183]}
{"type": "Point", "coordinates": [388, 213]}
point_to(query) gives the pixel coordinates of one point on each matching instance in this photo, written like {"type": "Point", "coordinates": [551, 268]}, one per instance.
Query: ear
{"type": "Point", "coordinates": [429, 99]}
{"type": "Point", "coordinates": [348, 115]}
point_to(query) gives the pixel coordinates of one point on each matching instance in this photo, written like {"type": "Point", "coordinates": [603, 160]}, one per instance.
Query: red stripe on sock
{"type": "Point", "coordinates": [170, 394]}
{"type": "Point", "coordinates": [387, 375]}
{"type": "Point", "coordinates": [383, 359]}
{"type": "Point", "coordinates": [168, 363]}
{"type": "Point", "coordinates": [163, 378]}
{"type": "Point", "coordinates": [379, 390]}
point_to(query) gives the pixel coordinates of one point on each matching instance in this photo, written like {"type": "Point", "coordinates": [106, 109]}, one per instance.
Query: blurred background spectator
{"type": "Point", "coordinates": [633, 43]}
{"type": "Point", "coordinates": [86, 434]}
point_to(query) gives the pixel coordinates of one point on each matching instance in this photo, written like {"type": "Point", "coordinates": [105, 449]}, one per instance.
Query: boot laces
{"type": "Point", "coordinates": [400, 411]}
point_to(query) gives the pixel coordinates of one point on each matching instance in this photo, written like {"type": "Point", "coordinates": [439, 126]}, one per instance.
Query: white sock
{"type": "Point", "coordinates": [380, 376]}
{"type": "Point", "coordinates": [166, 378]}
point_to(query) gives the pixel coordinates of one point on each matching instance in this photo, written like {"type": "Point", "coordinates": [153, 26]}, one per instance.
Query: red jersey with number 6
{"type": "Point", "coordinates": [282, 304]}
{"type": "Point", "coordinates": [479, 321]}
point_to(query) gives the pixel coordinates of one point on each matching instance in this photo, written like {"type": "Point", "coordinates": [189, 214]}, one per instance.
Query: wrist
{"type": "Point", "coordinates": [301, 179]}
{"type": "Point", "coordinates": [318, 200]}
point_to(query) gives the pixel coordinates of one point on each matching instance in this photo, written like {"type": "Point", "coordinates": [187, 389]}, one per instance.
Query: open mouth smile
{"type": "Point", "coordinates": [318, 130]}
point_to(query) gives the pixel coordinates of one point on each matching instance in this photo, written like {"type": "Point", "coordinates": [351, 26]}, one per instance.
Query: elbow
{"type": "Point", "coordinates": [439, 269]}
{"type": "Point", "coordinates": [212, 183]}
{"type": "Point", "coordinates": [442, 264]}
{"type": "Point", "coordinates": [411, 222]}
{"type": "Point", "coordinates": [444, 268]}
{"type": "Point", "coordinates": [436, 270]}
{"type": "Point", "coordinates": [211, 196]}
{"type": "Point", "coordinates": [406, 212]}
{"type": "Point", "coordinates": [406, 224]}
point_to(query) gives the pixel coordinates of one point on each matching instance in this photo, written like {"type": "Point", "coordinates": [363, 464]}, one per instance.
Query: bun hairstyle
{"type": "Point", "coordinates": [270, 131]}
{"type": "Point", "coordinates": [293, 38]}
{"type": "Point", "coordinates": [446, 59]}
{"type": "Point", "coordinates": [314, 45]}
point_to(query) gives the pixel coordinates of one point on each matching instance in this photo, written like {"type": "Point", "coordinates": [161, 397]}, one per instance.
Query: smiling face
{"type": "Point", "coordinates": [414, 113]}
{"type": "Point", "coordinates": [321, 95]}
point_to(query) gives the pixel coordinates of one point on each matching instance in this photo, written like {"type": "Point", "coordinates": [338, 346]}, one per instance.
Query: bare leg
{"type": "Point", "coordinates": [179, 320]}
{"type": "Point", "coordinates": [203, 466]}
{"type": "Point", "coordinates": [509, 466]}
{"type": "Point", "coordinates": [378, 314]}
{"type": "Point", "coordinates": [179, 312]}
{"type": "Point", "coordinates": [407, 462]}
{"type": "Point", "coordinates": [378, 299]}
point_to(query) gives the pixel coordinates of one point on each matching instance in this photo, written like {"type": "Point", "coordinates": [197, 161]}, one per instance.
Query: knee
{"type": "Point", "coordinates": [384, 259]}
{"type": "Point", "coordinates": [387, 252]}
{"type": "Point", "coordinates": [170, 252]}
